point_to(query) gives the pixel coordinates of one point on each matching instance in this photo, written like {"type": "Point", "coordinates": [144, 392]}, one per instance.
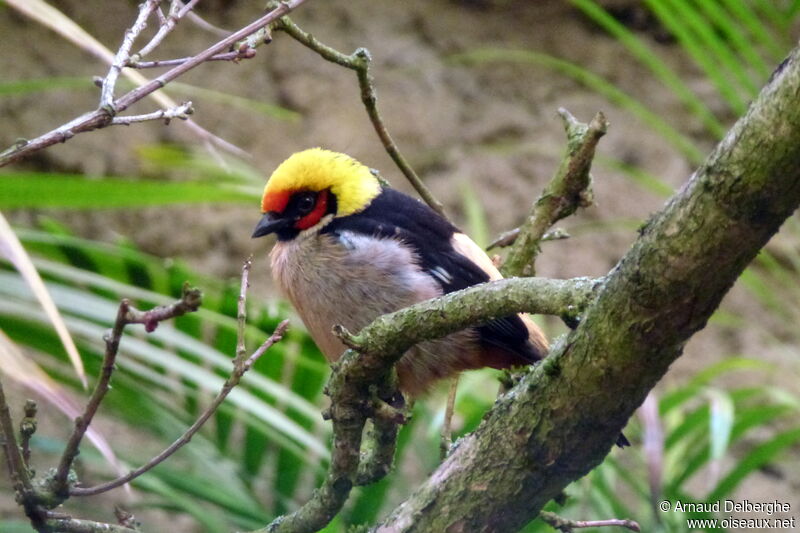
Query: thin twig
{"type": "Point", "coordinates": [509, 237]}
{"type": "Point", "coordinates": [123, 54]}
{"type": "Point", "coordinates": [244, 53]}
{"type": "Point", "coordinates": [241, 314]}
{"type": "Point", "coordinates": [359, 61]}
{"type": "Point", "coordinates": [160, 14]}
{"type": "Point", "coordinates": [565, 525]}
{"type": "Point", "coordinates": [176, 12]}
{"type": "Point", "coordinates": [124, 517]}
{"type": "Point", "coordinates": [181, 111]}
{"type": "Point", "coordinates": [447, 425]}
{"type": "Point", "coordinates": [233, 380]}
{"type": "Point", "coordinates": [101, 118]}
{"type": "Point", "coordinates": [20, 477]}
{"type": "Point", "coordinates": [27, 427]}
{"type": "Point", "coordinates": [126, 314]}
{"type": "Point", "coordinates": [567, 190]}
{"type": "Point", "coordinates": [74, 525]}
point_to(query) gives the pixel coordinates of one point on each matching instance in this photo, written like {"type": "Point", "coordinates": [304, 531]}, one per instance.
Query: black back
{"type": "Point", "coordinates": [395, 215]}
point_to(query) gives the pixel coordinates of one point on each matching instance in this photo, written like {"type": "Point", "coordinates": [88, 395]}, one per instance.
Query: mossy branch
{"type": "Point", "coordinates": [389, 336]}
{"type": "Point", "coordinates": [562, 418]}
{"type": "Point", "coordinates": [568, 190]}
{"type": "Point", "coordinates": [362, 383]}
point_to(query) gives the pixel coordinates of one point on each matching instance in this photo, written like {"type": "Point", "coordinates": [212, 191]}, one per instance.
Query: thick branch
{"type": "Point", "coordinates": [362, 381]}
{"type": "Point", "coordinates": [562, 419]}
{"type": "Point", "coordinates": [567, 190]}
{"type": "Point", "coordinates": [389, 336]}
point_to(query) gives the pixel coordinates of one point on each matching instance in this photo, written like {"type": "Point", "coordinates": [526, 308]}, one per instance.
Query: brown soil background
{"type": "Point", "coordinates": [491, 129]}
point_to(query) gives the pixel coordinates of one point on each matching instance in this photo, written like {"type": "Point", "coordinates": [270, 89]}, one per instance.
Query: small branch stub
{"type": "Point", "coordinates": [181, 111]}
{"type": "Point", "coordinates": [566, 525]}
{"type": "Point", "coordinates": [568, 190]}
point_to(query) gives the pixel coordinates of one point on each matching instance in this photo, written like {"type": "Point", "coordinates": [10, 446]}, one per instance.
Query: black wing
{"type": "Point", "coordinates": [393, 214]}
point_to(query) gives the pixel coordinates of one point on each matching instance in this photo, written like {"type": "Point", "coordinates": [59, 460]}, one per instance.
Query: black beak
{"type": "Point", "coordinates": [270, 223]}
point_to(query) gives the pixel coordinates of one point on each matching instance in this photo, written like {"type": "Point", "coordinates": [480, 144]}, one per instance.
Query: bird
{"type": "Point", "coordinates": [350, 249]}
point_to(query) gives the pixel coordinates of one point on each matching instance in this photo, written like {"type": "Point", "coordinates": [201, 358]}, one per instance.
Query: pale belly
{"type": "Point", "coordinates": [351, 280]}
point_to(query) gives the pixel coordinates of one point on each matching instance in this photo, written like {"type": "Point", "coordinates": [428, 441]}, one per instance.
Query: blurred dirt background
{"type": "Point", "coordinates": [491, 129]}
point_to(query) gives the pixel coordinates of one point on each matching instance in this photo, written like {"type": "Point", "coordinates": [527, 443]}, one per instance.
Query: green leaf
{"type": "Point", "coordinates": [33, 189]}
{"type": "Point", "coordinates": [12, 250]}
{"type": "Point", "coordinates": [760, 456]}
{"type": "Point", "coordinates": [706, 50]}
{"type": "Point", "coordinates": [592, 81]}
{"type": "Point", "coordinates": [762, 34]}
{"type": "Point", "coordinates": [675, 398]}
{"type": "Point", "coordinates": [717, 16]}
{"type": "Point", "coordinates": [658, 67]}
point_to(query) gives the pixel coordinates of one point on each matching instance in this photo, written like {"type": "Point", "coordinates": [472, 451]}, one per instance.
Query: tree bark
{"type": "Point", "coordinates": [564, 416]}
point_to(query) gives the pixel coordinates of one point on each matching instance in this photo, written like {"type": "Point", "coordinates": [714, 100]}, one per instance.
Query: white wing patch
{"type": "Point", "coordinates": [441, 274]}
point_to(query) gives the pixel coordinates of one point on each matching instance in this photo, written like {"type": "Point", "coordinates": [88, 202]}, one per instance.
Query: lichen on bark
{"type": "Point", "coordinates": [563, 417]}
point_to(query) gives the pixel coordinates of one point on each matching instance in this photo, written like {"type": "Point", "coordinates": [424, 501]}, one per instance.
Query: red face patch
{"type": "Point", "coordinates": [314, 216]}
{"type": "Point", "coordinates": [275, 201]}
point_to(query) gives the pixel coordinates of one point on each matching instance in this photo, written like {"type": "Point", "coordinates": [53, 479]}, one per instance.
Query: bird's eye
{"type": "Point", "coordinates": [306, 201]}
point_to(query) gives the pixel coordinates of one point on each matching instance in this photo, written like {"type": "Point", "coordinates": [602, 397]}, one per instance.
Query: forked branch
{"type": "Point", "coordinates": [568, 190]}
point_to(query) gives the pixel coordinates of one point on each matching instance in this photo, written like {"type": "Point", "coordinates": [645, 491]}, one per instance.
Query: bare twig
{"type": "Point", "coordinates": [160, 14]}
{"type": "Point", "coordinates": [102, 117]}
{"type": "Point", "coordinates": [20, 477]}
{"type": "Point", "coordinates": [176, 12]}
{"type": "Point", "coordinates": [509, 237]}
{"type": "Point", "coordinates": [244, 52]}
{"type": "Point", "coordinates": [123, 54]}
{"type": "Point", "coordinates": [359, 61]}
{"type": "Point", "coordinates": [74, 525]}
{"type": "Point", "coordinates": [182, 112]}
{"type": "Point", "coordinates": [190, 301]}
{"type": "Point", "coordinates": [27, 427]}
{"type": "Point", "coordinates": [124, 517]}
{"type": "Point", "coordinates": [566, 525]}
{"type": "Point", "coordinates": [241, 314]}
{"type": "Point", "coordinates": [568, 190]}
{"type": "Point", "coordinates": [447, 425]}
{"type": "Point", "coordinates": [240, 368]}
